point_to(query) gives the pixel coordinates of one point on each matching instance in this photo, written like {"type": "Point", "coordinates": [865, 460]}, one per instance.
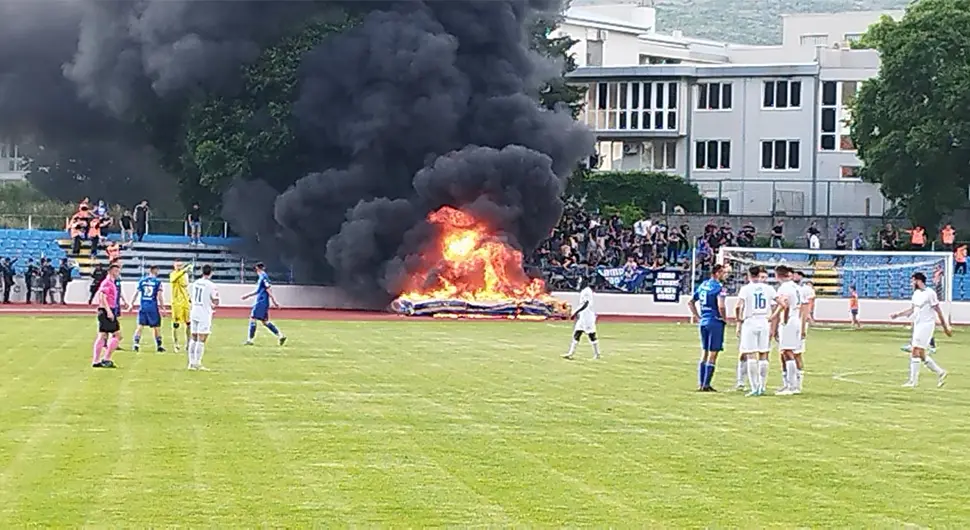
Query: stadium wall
{"type": "Point", "coordinates": [607, 304]}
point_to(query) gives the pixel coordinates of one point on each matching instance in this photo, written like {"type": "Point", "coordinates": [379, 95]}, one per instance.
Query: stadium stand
{"type": "Point", "coordinates": [30, 244]}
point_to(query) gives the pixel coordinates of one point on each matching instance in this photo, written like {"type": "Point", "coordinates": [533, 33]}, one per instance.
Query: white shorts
{"type": "Point", "coordinates": [923, 334]}
{"type": "Point", "coordinates": [585, 323]}
{"type": "Point", "coordinates": [201, 323]}
{"type": "Point", "coordinates": [790, 336]}
{"type": "Point", "coordinates": [755, 337]}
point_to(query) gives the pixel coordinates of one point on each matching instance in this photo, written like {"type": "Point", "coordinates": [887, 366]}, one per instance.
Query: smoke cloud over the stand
{"type": "Point", "coordinates": [419, 105]}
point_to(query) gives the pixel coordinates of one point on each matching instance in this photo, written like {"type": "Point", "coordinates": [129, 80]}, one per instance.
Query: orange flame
{"type": "Point", "coordinates": [469, 262]}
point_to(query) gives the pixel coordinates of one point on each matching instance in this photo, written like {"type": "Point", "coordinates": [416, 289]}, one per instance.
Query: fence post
{"type": "Point", "coordinates": [30, 222]}
{"type": "Point", "coordinates": [242, 270]}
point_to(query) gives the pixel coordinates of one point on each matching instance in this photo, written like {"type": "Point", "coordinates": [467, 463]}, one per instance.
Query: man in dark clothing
{"type": "Point", "coordinates": [29, 276]}
{"type": "Point", "coordinates": [7, 275]}
{"type": "Point", "coordinates": [47, 274]}
{"type": "Point", "coordinates": [141, 220]}
{"type": "Point", "coordinates": [841, 239]}
{"type": "Point", "coordinates": [64, 272]}
{"type": "Point", "coordinates": [746, 235]}
{"type": "Point", "coordinates": [97, 276]}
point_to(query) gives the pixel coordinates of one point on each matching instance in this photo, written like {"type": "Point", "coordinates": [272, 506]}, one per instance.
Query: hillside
{"type": "Point", "coordinates": [746, 21]}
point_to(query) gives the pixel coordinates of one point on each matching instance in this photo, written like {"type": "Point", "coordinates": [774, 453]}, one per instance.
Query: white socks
{"type": "Point", "coordinates": [742, 369]}
{"type": "Point", "coordinates": [763, 373]}
{"type": "Point", "coordinates": [596, 348]}
{"type": "Point", "coordinates": [754, 377]}
{"type": "Point", "coordinates": [914, 370]}
{"type": "Point", "coordinates": [791, 374]}
{"type": "Point", "coordinates": [195, 350]}
{"type": "Point", "coordinates": [931, 364]}
{"type": "Point", "coordinates": [572, 347]}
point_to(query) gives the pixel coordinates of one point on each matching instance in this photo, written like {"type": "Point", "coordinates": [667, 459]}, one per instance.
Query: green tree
{"type": "Point", "coordinates": [911, 123]}
{"type": "Point", "coordinates": [642, 191]}
{"type": "Point", "coordinates": [557, 91]}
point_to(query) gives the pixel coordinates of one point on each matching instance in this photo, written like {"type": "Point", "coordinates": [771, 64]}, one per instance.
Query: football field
{"type": "Point", "coordinates": [415, 424]}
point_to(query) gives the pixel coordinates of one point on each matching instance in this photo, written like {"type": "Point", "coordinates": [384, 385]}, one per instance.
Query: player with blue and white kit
{"type": "Point", "coordinates": [754, 313]}
{"type": "Point", "coordinates": [150, 302]}
{"type": "Point", "coordinates": [711, 296]}
{"type": "Point", "coordinates": [264, 299]}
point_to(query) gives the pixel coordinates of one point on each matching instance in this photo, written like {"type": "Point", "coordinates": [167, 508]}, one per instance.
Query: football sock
{"type": "Point", "coordinates": [754, 378]}
{"type": "Point", "coordinates": [252, 330]}
{"type": "Point", "coordinates": [112, 346]}
{"type": "Point", "coordinates": [709, 374]}
{"type": "Point", "coordinates": [742, 370]}
{"type": "Point", "coordinates": [158, 341]}
{"type": "Point", "coordinates": [596, 347]}
{"type": "Point", "coordinates": [914, 370]}
{"type": "Point", "coordinates": [199, 351]}
{"type": "Point", "coordinates": [798, 378]}
{"type": "Point", "coordinates": [572, 347]}
{"type": "Point", "coordinates": [272, 328]}
{"type": "Point", "coordinates": [190, 350]}
{"type": "Point", "coordinates": [99, 344]}
{"type": "Point", "coordinates": [136, 339]}
{"type": "Point", "coordinates": [701, 374]}
{"type": "Point", "coordinates": [763, 372]}
{"type": "Point", "coordinates": [931, 364]}
{"type": "Point", "coordinates": [791, 371]}
{"type": "Point", "coordinates": [933, 342]}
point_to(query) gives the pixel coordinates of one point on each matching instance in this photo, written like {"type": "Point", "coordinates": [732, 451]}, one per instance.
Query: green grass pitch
{"type": "Point", "coordinates": [415, 424]}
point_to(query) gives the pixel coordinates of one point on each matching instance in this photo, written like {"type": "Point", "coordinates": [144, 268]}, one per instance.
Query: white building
{"type": "Point", "coordinates": [12, 165]}
{"type": "Point", "coordinates": [759, 129]}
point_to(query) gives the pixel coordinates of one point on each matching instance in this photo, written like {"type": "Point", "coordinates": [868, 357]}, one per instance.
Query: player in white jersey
{"type": "Point", "coordinates": [754, 312]}
{"type": "Point", "coordinates": [807, 292]}
{"type": "Point", "coordinates": [925, 310]}
{"type": "Point", "coordinates": [791, 328]}
{"type": "Point", "coordinates": [204, 299]}
{"type": "Point", "coordinates": [585, 317]}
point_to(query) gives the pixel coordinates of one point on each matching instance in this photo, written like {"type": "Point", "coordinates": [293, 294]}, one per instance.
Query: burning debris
{"type": "Point", "coordinates": [469, 270]}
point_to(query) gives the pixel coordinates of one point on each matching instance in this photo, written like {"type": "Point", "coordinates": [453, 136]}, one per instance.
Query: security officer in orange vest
{"type": "Point", "coordinates": [917, 237]}
{"type": "Point", "coordinates": [948, 236]}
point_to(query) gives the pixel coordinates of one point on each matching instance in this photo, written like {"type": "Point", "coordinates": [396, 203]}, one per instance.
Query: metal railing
{"type": "Point", "coordinates": [164, 226]}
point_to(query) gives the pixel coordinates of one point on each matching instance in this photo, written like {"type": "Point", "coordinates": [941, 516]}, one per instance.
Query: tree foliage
{"type": "Point", "coordinates": [645, 191]}
{"type": "Point", "coordinates": [911, 123]}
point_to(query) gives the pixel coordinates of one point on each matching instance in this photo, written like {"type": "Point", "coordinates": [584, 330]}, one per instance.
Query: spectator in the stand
{"type": "Point", "coordinates": [778, 234]}
{"type": "Point", "coordinates": [917, 238]}
{"type": "Point", "coordinates": [859, 242]}
{"type": "Point", "coordinates": [7, 274]}
{"type": "Point", "coordinates": [127, 227]}
{"type": "Point", "coordinates": [960, 258]}
{"type": "Point", "coordinates": [814, 242]}
{"type": "Point", "coordinates": [642, 227]}
{"type": "Point", "coordinates": [30, 274]}
{"type": "Point", "coordinates": [948, 236]}
{"type": "Point", "coordinates": [94, 235]}
{"type": "Point", "coordinates": [813, 230]}
{"type": "Point", "coordinates": [47, 274]}
{"type": "Point", "coordinates": [142, 213]}
{"type": "Point", "coordinates": [888, 238]}
{"type": "Point", "coordinates": [113, 251]}
{"type": "Point", "coordinates": [194, 220]}
{"type": "Point", "coordinates": [661, 240]}
{"type": "Point", "coordinates": [64, 272]}
{"type": "Point", "coordinates": [747, 235]}
{"type": "Point", "coordinates": [79, 225]}
{"type": "Point", "coordinates": [841, 238]}
{"type": "Point", "coordinates": [684, 238]}
{"type": "Point", "coordinates": [101, 210]}
{"type": "Point", "coordinates": [673, 245]}
{"type": "Point", "coordinates": [725, 236]}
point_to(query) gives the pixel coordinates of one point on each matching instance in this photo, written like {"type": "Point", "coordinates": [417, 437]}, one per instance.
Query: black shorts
{"type": "Point", "coordinates": [106, 325]}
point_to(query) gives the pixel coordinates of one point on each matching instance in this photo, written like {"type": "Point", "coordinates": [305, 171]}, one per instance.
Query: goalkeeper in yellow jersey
{"type": "Point", "coordinates": [179, 282]}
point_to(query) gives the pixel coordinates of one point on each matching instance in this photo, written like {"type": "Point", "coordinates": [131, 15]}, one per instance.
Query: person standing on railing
{"type": "Point", "coordinates": [142, 213]}
{"type": "Point", "coordinates": [960, 258]}
{"type": "Point", "coordinates": [917, 238]}
{"type": "Point", "coordinates": [94, 235]}
{"type": "Point", "coordinates": [778, 234]}
{"type": "Point", "coordinates": [888, 238]}
{"type": "Point", "coordinates": [194, 220]}
{"type": "Point", "coordinates": [841, 240]}
{"type": "Point", "coordinates": [127, 227]}
{"type": "Point", "coordinates": [948, 236]}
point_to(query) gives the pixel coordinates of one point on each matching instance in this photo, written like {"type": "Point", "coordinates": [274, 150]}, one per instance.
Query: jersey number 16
{"type": "Point", "coordinates": [759, 301]}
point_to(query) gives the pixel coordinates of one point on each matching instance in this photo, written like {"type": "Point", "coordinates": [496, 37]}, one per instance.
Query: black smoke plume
{"type": "Point", "coordinates": [421, 104]}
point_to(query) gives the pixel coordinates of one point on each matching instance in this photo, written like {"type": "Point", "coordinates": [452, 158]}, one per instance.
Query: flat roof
{"type": "Point", "coordinates": [699, 70]}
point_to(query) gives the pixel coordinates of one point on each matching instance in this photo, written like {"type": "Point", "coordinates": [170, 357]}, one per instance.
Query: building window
{"type": "Point", "coordinates": [850, 172]}
{"type": "Point", "coordinates": [814, 39]}
{"type": "Point", "coordinates": [780, 155]}
{"type": "Point", "coordinates": [632, 105]}
{"type": "Point", "coordinates": [594, 53]}
{"type": "Point", "coordinates": [835, 133]}
{"type": "Point", "coordinates": [660, 155]}
{"type": "Point", "coordinates": [852, 37]}
{"type": "Point", "coordinates": [782, 94]}
{"type": "Point", "coordinates": [712, 154]}
{"type": "Point", "coordinates": [714, 96]}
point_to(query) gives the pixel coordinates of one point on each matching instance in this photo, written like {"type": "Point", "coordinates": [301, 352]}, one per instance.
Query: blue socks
{"type": "Point", "coordinates": [252, 330]}
{"type": "Point", "coordinates": [136, 340]}
{"type": "Point", "coordinates": [705, 374]}
{"type": "Point", "coordinates": [273, 329]}
{"type": "Point", "coordinates": [158, 341]}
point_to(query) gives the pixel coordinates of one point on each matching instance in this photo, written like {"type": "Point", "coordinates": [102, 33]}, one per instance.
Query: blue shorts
{"type": "Point", "coordinates": [260, 312]}
{"type": "Point", "coordinates": [855, 312]}
{"type": "Point", "coordinates": [150, 318]}
{"type": "Point", "coordinates": [712, 336]}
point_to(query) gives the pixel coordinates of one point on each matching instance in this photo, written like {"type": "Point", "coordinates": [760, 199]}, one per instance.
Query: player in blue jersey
{"type": "Point", "coordinates": [264, 299]}
{"type": "Point", "coordinates": [711, 295]}
{"type": "Point", "coordinates": [150, 301]}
